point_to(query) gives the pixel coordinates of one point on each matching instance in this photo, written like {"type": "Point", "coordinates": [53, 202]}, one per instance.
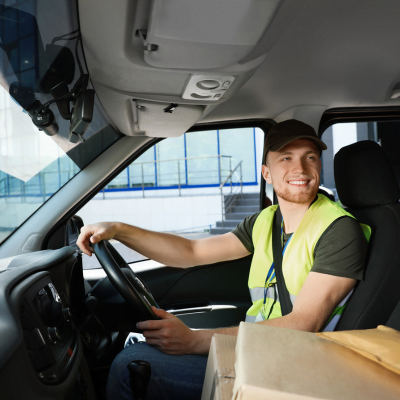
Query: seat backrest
{"type": "Point", "coordinates": [394, 320]}
{"type": "Point", "coordinates": [327, 193]}
{"type": "Point", "coordinates": [367, 185]}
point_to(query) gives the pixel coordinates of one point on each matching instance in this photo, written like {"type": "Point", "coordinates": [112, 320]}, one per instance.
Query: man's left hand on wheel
{"type": "Point", "coordinates": [168, 334]}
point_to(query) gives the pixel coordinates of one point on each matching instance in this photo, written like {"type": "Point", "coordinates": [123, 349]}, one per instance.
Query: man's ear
{"type": "Point", "coordinates": [266, 174]}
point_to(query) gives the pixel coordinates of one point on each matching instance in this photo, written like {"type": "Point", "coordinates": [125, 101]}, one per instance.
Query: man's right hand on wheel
{"type": "Point", "coordinates": [94, 233]}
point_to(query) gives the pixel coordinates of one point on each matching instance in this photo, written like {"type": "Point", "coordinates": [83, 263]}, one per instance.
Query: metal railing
{"type": "Point", "coordinates": [37, 189]}
{"type": "Point", "coordinates": [181, 173]}
{"type": "Point", "coordinates": [236, 190]}
{"type": "Point", "coordinates": [181, 176]}
{"type": "Point", "coordinates": [4, 182]}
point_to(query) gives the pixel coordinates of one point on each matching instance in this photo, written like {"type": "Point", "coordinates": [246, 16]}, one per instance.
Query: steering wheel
{"type": "Point", "coordinates": [134, 291]}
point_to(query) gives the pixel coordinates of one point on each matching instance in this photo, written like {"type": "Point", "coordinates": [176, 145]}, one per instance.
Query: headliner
{"type": "Point", "coordinates": [333, 54]}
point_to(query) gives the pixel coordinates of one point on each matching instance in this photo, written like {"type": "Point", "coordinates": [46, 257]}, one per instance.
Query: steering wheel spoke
{"type": "Point", "coordinates": [133, 290]}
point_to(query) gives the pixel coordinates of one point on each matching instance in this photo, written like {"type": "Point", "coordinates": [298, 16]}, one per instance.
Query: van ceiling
{"type": "Point", "coordinates": [314, 55]}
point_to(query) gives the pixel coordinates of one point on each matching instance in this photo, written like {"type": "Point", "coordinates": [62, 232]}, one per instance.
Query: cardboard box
{"type": "Point", "coordinates": [220, 372]}
{"type": "Point", "coordinates": [220, 376]}
{"type": "Point", "coordinates": [248, 392]}
{"type": "Point", "coordinates": [301, 363]}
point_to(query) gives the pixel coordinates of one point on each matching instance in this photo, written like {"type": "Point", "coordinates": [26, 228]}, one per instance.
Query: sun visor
{"type": "Point", "coordinates": [204, 34]}
{"type": "Point", "coordinates": [164, 119]}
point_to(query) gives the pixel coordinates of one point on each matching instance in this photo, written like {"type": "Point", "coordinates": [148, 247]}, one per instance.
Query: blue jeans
{"type": "Point", "coordinates": [172, 377]}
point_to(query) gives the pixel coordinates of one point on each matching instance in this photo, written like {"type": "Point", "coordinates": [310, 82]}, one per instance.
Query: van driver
{"type": "Point", "coordinates": [324, 251]}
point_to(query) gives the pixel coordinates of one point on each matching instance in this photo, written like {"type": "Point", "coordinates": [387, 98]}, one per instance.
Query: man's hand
{"type": "Point", "coordinates": [95, 233]}
{"type": "Point", "coordinates": [169, 334]}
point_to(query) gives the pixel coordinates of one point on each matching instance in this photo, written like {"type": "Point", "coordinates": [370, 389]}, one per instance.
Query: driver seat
{"type": "Point", "coordinates": [367, 186]}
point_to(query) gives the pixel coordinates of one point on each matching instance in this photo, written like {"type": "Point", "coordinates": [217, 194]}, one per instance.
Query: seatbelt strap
{"type": "Point", "coordinates": [284, 297]}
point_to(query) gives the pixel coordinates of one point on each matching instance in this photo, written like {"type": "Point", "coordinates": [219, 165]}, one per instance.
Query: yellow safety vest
{"type": "Point", "coordinates": [297, 260]}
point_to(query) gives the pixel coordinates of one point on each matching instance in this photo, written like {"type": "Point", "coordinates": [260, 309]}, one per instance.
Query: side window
{"type": "Point", "coordinates": [196, 185]}
{"type": "Point", "coordinates": [344, 134]}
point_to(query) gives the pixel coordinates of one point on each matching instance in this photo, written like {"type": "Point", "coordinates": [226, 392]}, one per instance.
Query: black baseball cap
{"type": "Point", "coordinates": [285, 132]}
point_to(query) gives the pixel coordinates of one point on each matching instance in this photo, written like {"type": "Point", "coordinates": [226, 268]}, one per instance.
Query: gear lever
{"type": "Point", "coordinates": [139, 374]}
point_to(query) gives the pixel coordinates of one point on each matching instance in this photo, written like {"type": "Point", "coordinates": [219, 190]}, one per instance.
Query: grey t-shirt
{"type": "Point", "coordinates": [340, 251]}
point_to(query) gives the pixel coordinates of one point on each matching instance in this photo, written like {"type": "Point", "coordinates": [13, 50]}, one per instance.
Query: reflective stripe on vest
{"type": "Point", "coordinates": [299, 256]}
{"type": "Point", "coordinates": [257, 293]}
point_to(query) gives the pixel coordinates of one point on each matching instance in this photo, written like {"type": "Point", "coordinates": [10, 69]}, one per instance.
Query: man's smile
{"type": "Point", "coordinates": [299, 182]}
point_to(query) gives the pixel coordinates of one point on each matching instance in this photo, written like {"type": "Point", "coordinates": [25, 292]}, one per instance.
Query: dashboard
{"type": "Point", "coordinates": [58, 334]}
{"type": "Point", "coordinates": [49, 335]}
{"type": "Point", "coordinates": [41, 352]}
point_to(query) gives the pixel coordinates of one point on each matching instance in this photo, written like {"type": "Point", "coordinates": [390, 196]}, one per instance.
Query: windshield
{"type": "Point", "coordinates": [41, 61]}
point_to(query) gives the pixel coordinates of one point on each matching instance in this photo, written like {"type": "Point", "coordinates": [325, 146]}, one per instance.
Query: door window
{"type": "Point", "coordinates": [197, 185]}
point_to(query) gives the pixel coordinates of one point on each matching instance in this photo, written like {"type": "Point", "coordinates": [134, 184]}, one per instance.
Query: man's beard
{"type": "Point", "coordinates": [298, 198]}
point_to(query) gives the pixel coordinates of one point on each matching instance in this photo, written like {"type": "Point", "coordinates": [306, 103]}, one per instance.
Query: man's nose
{"type": "Point", "coordinates": [299, 166]}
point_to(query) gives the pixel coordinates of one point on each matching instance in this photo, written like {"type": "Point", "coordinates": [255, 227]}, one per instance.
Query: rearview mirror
{"type": "Point", "coordinates": [61, 67]}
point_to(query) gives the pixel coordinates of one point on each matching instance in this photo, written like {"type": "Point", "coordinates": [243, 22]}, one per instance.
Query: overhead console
{"type": "Point", "coordinates": [205, 34]}
{"type": "Point", "coordinates": [172, 61]}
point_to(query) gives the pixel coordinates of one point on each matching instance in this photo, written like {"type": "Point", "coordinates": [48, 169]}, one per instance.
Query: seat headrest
{"type": "Point", "coordinates": [364, 176]}
{"type": "Point", "coordinates": [327, 193]}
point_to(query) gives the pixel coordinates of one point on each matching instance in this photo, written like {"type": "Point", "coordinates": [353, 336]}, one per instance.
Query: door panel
{"type": "Point", "coordinates": [218, 318]}
{"type": "Point", "coordinates": [207, 296]}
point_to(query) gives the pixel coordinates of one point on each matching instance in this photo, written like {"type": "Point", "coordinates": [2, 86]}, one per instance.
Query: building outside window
{"type": "Point", "coordinates": [193, 160]}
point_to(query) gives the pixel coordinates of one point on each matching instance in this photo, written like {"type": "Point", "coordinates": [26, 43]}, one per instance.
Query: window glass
{"type": "Point", "coordinates": [142, 173]}
{"type": "Point", "coordinates": [239, 144]}
{"type": "Point", "coordinates": [34, 166]}
{"type": "Point", "coordinates": [176, 187]}
{"type": "Point", "coordinates": [170, 166]}
{"type": "Point", "coordinates": [21, 194]}
{"type": "Point", "coordinates": [201, 168]}
{"type": "Point", "coordinates": [388, 135]}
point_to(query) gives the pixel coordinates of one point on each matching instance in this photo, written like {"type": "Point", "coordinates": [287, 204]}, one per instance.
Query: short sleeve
{"type": "Point", "coordinates": [341, 250]}
{"type": "Point", "coordinates": [244, 231]}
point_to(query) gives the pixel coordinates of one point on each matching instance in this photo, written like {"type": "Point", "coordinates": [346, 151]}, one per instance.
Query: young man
{"type": "Point", "coordinates": [324, 257]}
